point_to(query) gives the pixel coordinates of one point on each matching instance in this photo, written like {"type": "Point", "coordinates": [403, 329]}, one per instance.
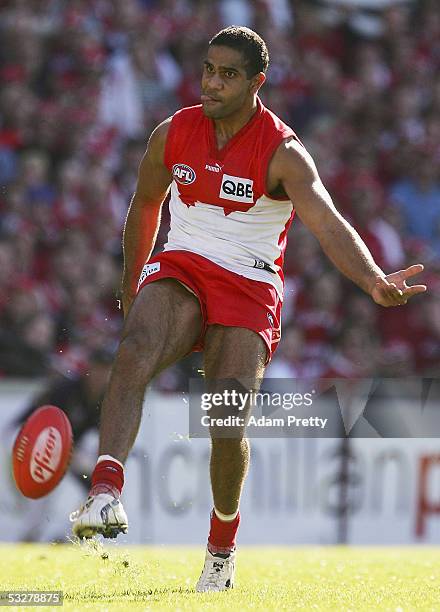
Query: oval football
{"type": "Point", "coordinates": [42, 451]}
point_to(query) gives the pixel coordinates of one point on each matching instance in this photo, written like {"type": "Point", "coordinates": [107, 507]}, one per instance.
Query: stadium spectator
{"type": "Point", "coordinates": [417, 196]}
{"type": "Point", "coordinates": [82, 83]}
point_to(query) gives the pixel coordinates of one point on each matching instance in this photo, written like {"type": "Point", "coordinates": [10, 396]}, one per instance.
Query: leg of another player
{"type": "Point", "coordinates": [234, 359]}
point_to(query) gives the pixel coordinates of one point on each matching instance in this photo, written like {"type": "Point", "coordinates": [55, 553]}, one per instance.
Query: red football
{"type": "Point", "coordinates": [42, 451]}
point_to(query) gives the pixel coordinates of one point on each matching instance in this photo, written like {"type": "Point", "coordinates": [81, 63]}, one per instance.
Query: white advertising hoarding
{"type": "Point", "coordinates": [292, 494]}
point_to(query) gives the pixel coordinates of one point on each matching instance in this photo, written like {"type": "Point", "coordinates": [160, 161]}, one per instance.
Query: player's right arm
{"type": "Point", "coordinates": [143, 217]}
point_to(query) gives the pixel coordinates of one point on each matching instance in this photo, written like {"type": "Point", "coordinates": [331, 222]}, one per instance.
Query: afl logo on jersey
{"type": "Point", "coordinates": [183, 174]}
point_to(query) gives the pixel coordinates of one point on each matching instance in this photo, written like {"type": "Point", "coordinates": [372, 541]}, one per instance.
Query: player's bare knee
{"type": "Point", "coordinates": [137, 348]}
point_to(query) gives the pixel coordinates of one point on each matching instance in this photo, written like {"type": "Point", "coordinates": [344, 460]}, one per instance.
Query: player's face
{"type": "Point", "coordinates": [225, 85]}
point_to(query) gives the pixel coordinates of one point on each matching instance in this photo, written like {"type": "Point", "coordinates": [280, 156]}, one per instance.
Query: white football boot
{"type": "Point", "coordinates": [101, 514]}
{"type": "Point", "coordinates": [218, 573]}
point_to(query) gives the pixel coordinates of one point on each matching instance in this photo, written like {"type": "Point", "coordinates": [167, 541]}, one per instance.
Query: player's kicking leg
{"type": "Point", "coordinates": [163, 325]}
{"type": "Point", "coordinates": [231, 354]}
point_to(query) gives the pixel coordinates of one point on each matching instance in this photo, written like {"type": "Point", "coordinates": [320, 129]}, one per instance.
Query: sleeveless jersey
{"type": "Point", "coordinates": [219, 205]}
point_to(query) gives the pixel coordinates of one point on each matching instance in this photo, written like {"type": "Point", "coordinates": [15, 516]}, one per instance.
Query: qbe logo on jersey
{"type": "Point", "coordinates": [237, 189]}
{"type": "Point", "coordinates": [184, 174]}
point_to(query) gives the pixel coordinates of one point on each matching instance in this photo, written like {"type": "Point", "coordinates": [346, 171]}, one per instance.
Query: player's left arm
{"type": "Point", "coordinates": [294, 168]}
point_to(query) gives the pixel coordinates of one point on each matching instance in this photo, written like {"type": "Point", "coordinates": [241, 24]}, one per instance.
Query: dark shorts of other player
{"type": "Point", "coordinates": [225, 298]}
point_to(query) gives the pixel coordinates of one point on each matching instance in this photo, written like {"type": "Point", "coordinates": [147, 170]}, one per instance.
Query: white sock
{"type": "Point", "coordinates": [225, 517]}
{"type": "Point", "coordinates": [109, 458]}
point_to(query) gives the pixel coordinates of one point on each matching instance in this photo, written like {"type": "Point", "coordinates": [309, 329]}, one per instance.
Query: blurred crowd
{"type": "Point", "coordinates": [82, 84]}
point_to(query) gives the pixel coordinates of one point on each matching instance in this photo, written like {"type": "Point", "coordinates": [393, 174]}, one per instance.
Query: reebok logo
{"type": "Point", "coordinates": [237, 189]}
{"type": "Point", "coordinates": [215, 168]}
{"type": "Point", "coordinates": [147, 270]}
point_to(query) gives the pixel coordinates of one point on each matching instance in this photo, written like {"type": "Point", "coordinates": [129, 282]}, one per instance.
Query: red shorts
{"type": "Point", "coordinates": [225, 298]}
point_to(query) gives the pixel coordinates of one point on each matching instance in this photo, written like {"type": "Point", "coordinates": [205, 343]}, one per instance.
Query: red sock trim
{"type": "Point", "coordinates": [222, 534]}
{"type": "Point", "coordinates": [107, 477]}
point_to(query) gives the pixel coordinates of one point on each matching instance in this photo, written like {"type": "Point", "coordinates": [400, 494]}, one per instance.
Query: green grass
{"type": "Point", "coordinates": [334, 578]}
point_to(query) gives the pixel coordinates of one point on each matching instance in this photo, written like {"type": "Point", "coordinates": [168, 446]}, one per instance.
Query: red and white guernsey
{"type": "Point", "coordinates": [219, 204]}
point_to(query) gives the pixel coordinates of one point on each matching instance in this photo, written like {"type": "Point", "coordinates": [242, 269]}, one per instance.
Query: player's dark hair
{"type": "Point", "coordinates": [245, 40]}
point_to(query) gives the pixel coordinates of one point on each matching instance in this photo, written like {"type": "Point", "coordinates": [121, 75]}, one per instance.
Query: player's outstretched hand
{"type": "Point", "coordinates": [393, 290]}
